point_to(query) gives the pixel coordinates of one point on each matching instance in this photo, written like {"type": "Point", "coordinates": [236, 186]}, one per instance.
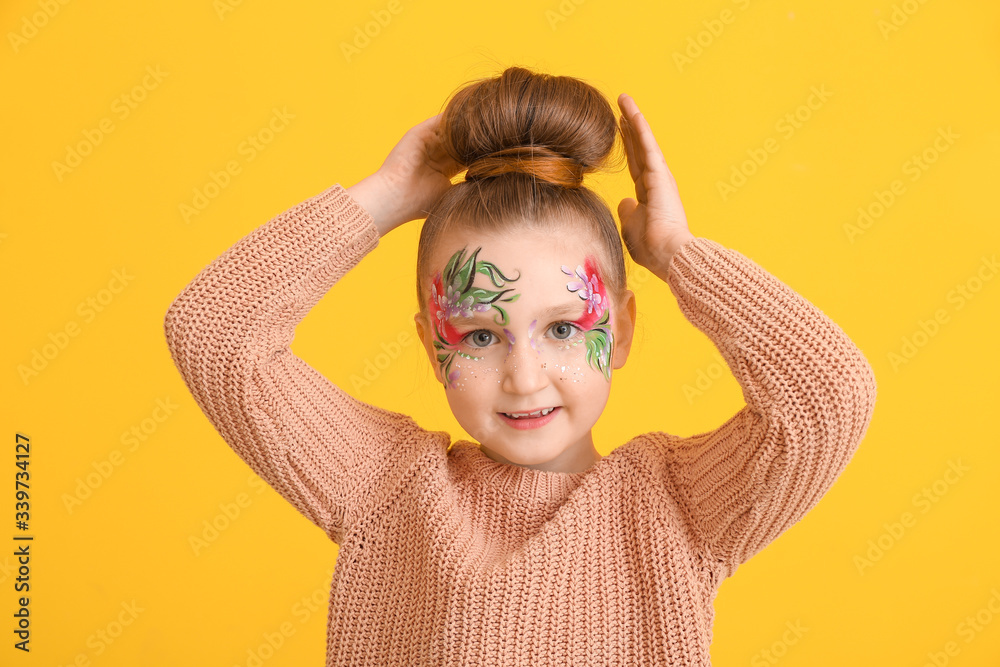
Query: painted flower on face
{"type": "Point", "coordinates": [596, 323]}
{"type": "Point", "coordinates": [451, 304]}
{"type": "Point", "coordinates": [452, 295]}
{"type": "Point", "coordinates": [589, 289]}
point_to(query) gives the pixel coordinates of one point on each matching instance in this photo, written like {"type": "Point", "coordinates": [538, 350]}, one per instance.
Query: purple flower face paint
{"type": "Point", "coordinates": [510, 339]}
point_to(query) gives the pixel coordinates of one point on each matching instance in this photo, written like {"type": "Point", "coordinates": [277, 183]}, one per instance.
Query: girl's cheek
{"type": "Point", "coordinates": [471, 370]}
{"type": "Point", "coordinates": [567, 359]}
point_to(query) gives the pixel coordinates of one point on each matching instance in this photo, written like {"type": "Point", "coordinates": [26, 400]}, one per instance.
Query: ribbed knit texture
{"type": "Point", "coordinates": [450, 558]}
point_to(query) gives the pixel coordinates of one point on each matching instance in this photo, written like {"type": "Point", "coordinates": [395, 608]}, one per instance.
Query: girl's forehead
{"type": "Point", "coordinates": [530, 252]}
{"type": "Point", "coordinates": [522, 277]}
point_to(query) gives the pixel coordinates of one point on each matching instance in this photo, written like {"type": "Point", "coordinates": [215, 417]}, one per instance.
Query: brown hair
{"type": "Point", "coordinates": [527, 140]}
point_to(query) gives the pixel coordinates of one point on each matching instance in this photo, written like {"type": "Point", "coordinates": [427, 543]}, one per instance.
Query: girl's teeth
{"type": "Point", "coordinates": [519, 415]}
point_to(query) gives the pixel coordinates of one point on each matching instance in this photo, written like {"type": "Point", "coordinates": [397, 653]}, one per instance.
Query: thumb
{"type": "Point", "coordinates": [626, 212]}
{"type": "Point", "coordinates": [625, 209]}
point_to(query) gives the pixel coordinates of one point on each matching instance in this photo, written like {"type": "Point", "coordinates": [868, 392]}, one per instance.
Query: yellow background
{"type": "Point", "coordinates": [64, 235]}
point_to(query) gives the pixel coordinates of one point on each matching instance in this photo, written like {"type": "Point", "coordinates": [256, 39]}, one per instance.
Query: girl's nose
{"type": "Point", "coordinates": [522, 369]}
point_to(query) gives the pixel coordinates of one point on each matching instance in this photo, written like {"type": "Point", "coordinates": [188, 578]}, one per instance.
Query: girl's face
{"type": "Point", "coordinates": [522, 323]}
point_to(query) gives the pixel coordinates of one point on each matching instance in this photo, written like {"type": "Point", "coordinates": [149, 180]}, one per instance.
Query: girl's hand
{"type": "Point", "coordinates": [413, 177]}
{"type": "Point", "coordinates": [653, 224]}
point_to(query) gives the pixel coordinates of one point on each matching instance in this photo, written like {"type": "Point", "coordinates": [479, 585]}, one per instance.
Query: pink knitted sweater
{"type": "Point", "coordinates": [450, 558]}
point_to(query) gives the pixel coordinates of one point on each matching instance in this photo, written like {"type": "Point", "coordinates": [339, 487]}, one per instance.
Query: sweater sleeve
{"type": "Point", "coordinates": [229, 333]}
{"type": "Point", "coordinates": [809, 394]}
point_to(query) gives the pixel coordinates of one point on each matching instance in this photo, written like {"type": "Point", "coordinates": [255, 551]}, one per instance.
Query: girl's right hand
{"type": "Point", "coordinates": [414, 176]}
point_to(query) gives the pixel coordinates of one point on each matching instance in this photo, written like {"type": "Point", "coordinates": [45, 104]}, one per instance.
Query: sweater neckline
{"type": "Point", "coordinates": [515, 480]}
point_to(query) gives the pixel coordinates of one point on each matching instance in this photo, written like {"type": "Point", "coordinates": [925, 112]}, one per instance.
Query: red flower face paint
{"type": "Point", "coordinates": [596, 322]}
{"type": "Point", "coordinates": [452, 295]}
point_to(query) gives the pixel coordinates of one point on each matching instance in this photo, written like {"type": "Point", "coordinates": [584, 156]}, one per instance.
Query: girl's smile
{"type": "Point", "coordinates": [531, 419]}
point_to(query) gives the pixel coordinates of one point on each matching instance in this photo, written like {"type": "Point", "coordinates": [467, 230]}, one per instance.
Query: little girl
{"type": "Point", "coordinates": [527, 547]}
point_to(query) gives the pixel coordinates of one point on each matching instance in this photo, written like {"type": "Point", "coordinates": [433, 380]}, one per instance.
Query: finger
{"type": "Point", "coordinates": [633, 166]}
{"type": "Point", "coordinates": [652, 156]}
{"type": "Point", "coordinates": [630, 112]}
{"type": "Point", "coordinates": [661, 185]}
{"type": "Point", "coordinates": [440, 161]}
{"type": "Point", "coordinates": [636, 167]}
{"type": "Point", "coordinates": [627, 138]}
{"type": "Point", "coordinates": [626, 207]}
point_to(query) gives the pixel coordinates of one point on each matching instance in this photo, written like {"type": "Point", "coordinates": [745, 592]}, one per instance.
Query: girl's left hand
{"type": "Point", "coordinates": [654, 225]}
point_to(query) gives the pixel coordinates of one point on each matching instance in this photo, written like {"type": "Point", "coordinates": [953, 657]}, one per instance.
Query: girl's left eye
{"type": "Point", "coordinates": [564, 330]}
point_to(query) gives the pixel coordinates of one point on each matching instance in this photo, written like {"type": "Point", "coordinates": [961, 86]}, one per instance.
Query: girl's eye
{"type": "Point", "coordinates": [480, 338]}
{"type": "Point", "coordinates": [563, 330]}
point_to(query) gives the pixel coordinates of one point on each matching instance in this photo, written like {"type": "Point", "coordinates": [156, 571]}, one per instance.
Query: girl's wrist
{"type": "Point", "coordinates": [374, 196]}
{"type": "Point", "coordinates": [668, 251]}
{"type": "Point", "coordinates": [677, 242]}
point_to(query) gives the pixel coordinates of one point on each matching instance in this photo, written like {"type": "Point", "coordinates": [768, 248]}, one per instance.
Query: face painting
{"type": "Point", "coordinates": [524, 343]}
{"type": "Point", "coordinates": [453, 295]}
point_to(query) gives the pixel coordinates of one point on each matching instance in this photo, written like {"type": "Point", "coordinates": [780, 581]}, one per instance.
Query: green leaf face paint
{"type": "Point", "coordinates": [596, 322]}
{"type": "Point", "coordinates": [452, 295]}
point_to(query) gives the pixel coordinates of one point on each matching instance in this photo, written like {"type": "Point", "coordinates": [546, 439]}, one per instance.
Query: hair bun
{"type": "Point", "coordinates": [554, 129]}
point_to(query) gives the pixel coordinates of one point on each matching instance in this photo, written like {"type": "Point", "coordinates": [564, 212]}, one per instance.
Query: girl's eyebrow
{"type": "Point", "coordinates": [561, 310]}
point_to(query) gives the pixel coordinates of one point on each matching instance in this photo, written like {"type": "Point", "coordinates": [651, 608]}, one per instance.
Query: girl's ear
{"type": "Point", "coordinates": [624, 329]}
{"type": "Point", "coordinates": [424, 333]}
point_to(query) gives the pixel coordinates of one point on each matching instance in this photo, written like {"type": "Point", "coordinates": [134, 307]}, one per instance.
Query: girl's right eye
{"type": "Point", "coordinates": [483, 336]}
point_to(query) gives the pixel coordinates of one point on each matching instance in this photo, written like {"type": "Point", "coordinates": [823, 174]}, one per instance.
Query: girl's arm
{"type": "Point", "coordinates": [331, 456]}
{"type": "Point", "coordinates": [810, 392]}
{"type": "Point", "coordinates": [229, 332]}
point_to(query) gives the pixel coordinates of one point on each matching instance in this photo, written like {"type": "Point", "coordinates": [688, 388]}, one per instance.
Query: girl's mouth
{"type": "Point", "coordinates": [527, 420]}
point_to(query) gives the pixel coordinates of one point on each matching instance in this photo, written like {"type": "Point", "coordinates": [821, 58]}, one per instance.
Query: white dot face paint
{"type": "Point", "coordinates": [517, 330]}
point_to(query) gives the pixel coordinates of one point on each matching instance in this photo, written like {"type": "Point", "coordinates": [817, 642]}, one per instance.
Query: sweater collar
{"type": "Point", "coordinates": [514, 480]}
